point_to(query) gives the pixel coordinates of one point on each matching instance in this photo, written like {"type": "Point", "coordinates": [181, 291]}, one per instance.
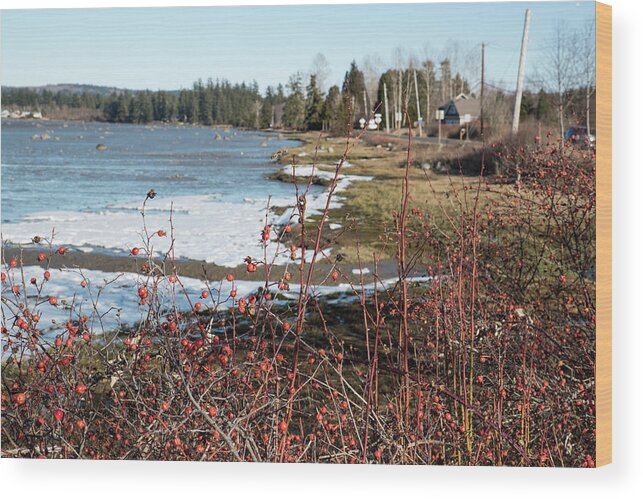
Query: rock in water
{"type": "Point", "coordinates": [101, 147]}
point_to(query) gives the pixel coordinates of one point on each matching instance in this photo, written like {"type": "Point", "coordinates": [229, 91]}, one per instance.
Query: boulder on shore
{"type": "Point", "coordinates": [101, 147]}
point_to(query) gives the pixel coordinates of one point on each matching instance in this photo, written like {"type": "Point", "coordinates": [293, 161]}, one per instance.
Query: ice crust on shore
{"type": "Point", "coordinates": [205, 228]}
{"type": "Point", "coordinates": [110, 299]}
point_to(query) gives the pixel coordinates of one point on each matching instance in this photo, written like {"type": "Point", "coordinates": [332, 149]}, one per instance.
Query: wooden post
{"type": "Point", "coordinates": [417, 102]}
{"type": "Point", "coordinates": [428, 98]}
{"type": "Point", "coordinates": [482, 98]}
{"type": "Point", "coordinates": [386, 110]}
{"type": "Point", "coordinates": [521, 74]}
{"type": "Point", "coordinates": [399, 100]}
{"type": "Point", "coordinates": [366, 111]}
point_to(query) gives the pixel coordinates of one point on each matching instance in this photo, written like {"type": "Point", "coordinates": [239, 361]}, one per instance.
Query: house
{"type": "Point", "coordinates": [460, 110]}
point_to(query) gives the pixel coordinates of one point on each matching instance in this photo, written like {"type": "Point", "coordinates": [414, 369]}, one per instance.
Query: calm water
{"type": "Point", "coordinates": [67, 173]}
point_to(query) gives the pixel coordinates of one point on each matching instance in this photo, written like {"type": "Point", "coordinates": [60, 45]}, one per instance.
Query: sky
{"type": "Point", "coordinates": [170, 47]}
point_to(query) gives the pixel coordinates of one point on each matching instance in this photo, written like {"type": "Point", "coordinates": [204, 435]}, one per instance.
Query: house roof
{"type": "Point", "coordinates": [464, 105]}
{"type": "Point", "coordinates": [468, 106]}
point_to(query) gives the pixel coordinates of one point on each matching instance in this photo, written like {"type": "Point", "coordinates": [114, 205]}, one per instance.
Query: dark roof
{"type": "Point", "coordinates": [464, 105]}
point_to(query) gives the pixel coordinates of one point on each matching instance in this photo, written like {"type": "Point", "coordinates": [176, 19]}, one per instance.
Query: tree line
{"type": "Point", "coordinates": [302, 104]}
{"type": "Point", "coordinates": [413, 89]}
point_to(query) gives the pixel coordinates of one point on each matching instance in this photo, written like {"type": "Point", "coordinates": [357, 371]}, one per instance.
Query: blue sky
{"type": "Point", "coordinates": [169, 48]}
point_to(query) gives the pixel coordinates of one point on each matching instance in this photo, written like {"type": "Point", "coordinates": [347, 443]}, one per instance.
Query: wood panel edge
{"type": "Point", "coordinates": [603, 234]}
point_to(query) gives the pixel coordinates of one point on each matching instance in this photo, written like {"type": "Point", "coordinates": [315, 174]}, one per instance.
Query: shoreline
{"type": "Point", "coordinates": [195, 269]}
{"type": "Point", "coordinates": [109, 259]}
{"type": "Point", "coordinates": [345, 211]}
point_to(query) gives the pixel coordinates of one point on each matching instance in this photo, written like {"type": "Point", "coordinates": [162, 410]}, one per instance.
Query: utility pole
{"type": "Point", "coordinates": [482, 98]}
{"type": "Point", "coordinates": [398, 113]}
{"type": "Point", "coordinates": [521, 74]}
{"type": "Point", "coordinates": [367, 113]}
{"type": "Point", "coordinates": [386, 109]}
{"type": "Point", "coordinates": [417, 102]}
{"type": "Point", "coordinates": [428, 98]}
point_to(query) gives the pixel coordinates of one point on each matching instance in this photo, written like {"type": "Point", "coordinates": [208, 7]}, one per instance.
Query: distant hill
{"type": "Point", "coordinates": [74, 89]}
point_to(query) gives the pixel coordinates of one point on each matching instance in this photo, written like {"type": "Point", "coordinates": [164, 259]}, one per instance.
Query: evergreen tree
{"type": "Point", "coordinates": [265, 117]}
{"type": "Point", "coordinates": [294, 108]}
{"type": "Point", "coordinates": [335, 112]}
{"type": "Point", "coordinates": [122, 108]}
{"type": "Point", "coordinates": [314, 107]}
{"type": "Point", "coordinates": [353, 90]}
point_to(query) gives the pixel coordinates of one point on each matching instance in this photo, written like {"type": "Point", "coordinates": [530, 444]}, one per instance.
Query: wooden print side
{"type": "Point", "coordinates": [603, 234]}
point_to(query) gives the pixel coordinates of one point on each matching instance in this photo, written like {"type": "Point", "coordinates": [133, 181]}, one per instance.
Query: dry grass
{"type": "Point", "coordinates": [368, 205]}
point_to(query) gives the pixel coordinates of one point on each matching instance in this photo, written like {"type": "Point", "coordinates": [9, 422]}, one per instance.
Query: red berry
{"type": "Point", "coordinates": [13, 262]}
{"type": "Point", "coordinates": [41, 257]}
{"type": "Point", "coordinates": [61, 250]}
{"type": "Point", "coordinates": [19, 398]}
{"type": "Point", "coordinates": [80, 388]}
{"type": "Point", "coordinates": [283, 427]}
{"type": "Point", "coordinates": [212, 411]}
{"type": "Point", "coordinates": [58, 415]}
{"type": "Point", "coordinates": [53, 300]}
{"type": "Point", "coordinates": [135, 251]}
{"type": "Point", "coordinates": [204, 294]}
{"type": "Point", "coordinates": [47, 275]}
{"type": "Point", "coordinates": [161, 233]}
{"type": "Point", "coordinates": [172, 278]}
{"type": "Point", "coordinates": [229, 278]}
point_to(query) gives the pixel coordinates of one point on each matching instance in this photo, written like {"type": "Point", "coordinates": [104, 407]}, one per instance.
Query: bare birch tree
{"type": "Point", "coordinates": [562, 70]}
{"type": "Point", "coordinates": [588, 67]}
{"type": "Point", "coordinates": [320, 68]}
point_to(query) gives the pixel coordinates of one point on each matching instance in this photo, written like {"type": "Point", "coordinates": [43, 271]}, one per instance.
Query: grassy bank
{"type": "Point", "coordinates": [439, 180]}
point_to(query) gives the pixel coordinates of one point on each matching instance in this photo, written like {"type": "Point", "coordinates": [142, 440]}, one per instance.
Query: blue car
{"type": "Point", "coordinates": [579, 135]}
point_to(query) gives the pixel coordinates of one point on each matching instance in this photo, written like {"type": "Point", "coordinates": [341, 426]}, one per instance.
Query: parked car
{"type": "Point", "coordinates": [579, 135]}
